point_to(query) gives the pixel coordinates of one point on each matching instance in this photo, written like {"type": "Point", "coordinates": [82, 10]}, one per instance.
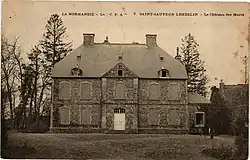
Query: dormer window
{"type": "Point", "coordinates": [120, 72]}
{"type": "Point", "coordinates": [76, 71]}
{"type": "Point", "coordinates": [120, 58]}
{"type": "Point", "coordinates": [78, 57]}
{"type": "Point", "coordinates": [161, 58]}
{"type": "Point", "coordinates": [163, 73]}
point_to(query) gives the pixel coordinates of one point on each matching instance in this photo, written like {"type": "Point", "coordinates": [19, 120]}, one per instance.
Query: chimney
{"type": "Point", "coordinates": [151, 40]}
{"type": "Point", "coordinates": [106, 41]}
{"type": "Point", "coordinates": [222, 84]}
{"type": "Point", "coordinates": [222, 88]}
{"type": "Point", "coordinates": [178, 56]}
{"type": "Point", "coordinates": [88, 39]}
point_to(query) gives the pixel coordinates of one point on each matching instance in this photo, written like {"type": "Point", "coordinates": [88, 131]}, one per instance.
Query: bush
{"type": "Point", "coordinates": [221, 153]}
{"type": "Point", "coordinates": [241, 141]}
{"type": "Point", "coordinates": [42, 127]}
{"type": "Point", "coordinates": [4, 135]}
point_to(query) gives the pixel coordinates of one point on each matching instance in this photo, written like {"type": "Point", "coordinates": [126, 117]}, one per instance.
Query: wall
{"type": "Point", "coordinates": [164, 90]}
{"type": "Point", "coordinates": [163, 108]}
{"type": "Point", "coordinates": [75, 102]}
{"type": "Point", "coordinates": [102, 102]}
{"type": "Point", "coordinates": [130, 95]}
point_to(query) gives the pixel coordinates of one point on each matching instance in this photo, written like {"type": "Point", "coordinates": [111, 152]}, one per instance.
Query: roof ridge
{"type": "Point", "coordinates": [116, 43]}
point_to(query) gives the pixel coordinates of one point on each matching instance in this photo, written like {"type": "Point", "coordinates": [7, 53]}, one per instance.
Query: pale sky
{"type": "Point", "coordinates": [219, 37]}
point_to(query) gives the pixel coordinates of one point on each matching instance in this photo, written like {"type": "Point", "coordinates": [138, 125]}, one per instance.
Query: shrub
{"type": "Point", "coordinates": [221, 153]}
{"type": "Point", "coordinates": [42, 127]}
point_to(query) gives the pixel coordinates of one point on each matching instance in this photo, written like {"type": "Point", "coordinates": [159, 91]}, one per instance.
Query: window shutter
{"type": "Point", "coordinates": [154, 91]}
{"type": "Point", "coordinates": [153, 117]}
{"type": "Point", "coordinates": [119, 90]}
{"type": "Point", "coordinates": [95, 119]}
{"type": "Point", "coordinates": [64, 116]}
{"type": "Point", "coordinates": [64, 90]}
{"type": "Point", "coordinates": [85, 116]}
{"type": "Point", "coordinates": [174, 118]}
{"type": "Point", "coordinates": [174, 92]}
{"type": "Point", "coordinates": [86, 90]}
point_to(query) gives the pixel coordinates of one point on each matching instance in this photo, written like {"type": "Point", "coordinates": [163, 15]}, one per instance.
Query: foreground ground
{"type": "Point", "coordinates": [112, 146]}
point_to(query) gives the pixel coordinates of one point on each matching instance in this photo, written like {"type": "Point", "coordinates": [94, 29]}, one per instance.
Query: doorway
{"type": "Point", "coordinates": [119, 119]}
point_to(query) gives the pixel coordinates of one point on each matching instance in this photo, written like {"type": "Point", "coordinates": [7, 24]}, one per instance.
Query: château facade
{"type": "Point", "coordinates": [122, 88]}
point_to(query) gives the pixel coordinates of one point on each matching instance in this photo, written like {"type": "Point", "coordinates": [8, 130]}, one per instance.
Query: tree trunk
{"type": "Point", "coordinates": [30, 111]}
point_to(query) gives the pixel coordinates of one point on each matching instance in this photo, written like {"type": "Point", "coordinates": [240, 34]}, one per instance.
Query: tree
{"type": "Point", "coordinates": [40, 84]}
{"type": "Point", "coordinates": [53, 44]}
{"type": "Point", "coordinates": [190, 57]}
{"type": "Point", "coordinates": [10, 58]}
{"type": "Point", "coordinates": [42, 58]}
{"type": "Point", "coordinates": [4, 136]}
{"type": "Point", "coordinates": [219, 116]}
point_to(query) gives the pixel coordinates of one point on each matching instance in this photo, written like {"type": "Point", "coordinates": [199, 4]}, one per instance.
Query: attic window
{"type": "Point", "coordinates": [161, 58]}
{"type": "Point", "coordinates": [119, 72]}
{"type": "Point", "coordinates": [120, 58]}
{"type": "Point", "coordinates": [78, 57]}
{"type": "Point", "coordinates": [163, 73]}
{"type": "Point", "coordinates": [76, 71]}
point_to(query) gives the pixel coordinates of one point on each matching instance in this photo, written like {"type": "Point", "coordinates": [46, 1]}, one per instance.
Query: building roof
{"type": "Point", "coordinates": [98, 59]}
{"type": "Point", "coordinates": [195, 98]}
{"type": "Point", "coordinates": [235, 94]}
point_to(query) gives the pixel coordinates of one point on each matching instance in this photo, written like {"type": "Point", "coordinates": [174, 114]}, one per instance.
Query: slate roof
{"type": "Point", "coordinates": [235, 94]}
{"type": "Point", "coordinates": [195, 98]}
{"type": "Point", "coordinates": [98, 59]}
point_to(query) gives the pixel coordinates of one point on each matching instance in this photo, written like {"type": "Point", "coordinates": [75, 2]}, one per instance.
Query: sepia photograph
{"type": "Point", "coordinates": [124, 80]}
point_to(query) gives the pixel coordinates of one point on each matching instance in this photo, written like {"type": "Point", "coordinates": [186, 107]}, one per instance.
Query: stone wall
{"type": "Point", "coordinates": [166, 92]}
{"type": "Point", "coordinates": [136, 102]}
{"type": "Point", "coordinates": [75, 91]}
{"type": "Point", "coordinates": [130, 90]}
{"type": "Point", "coordinates": [166, 117]}
{"type": "Point", "coordinates": [75, 102]}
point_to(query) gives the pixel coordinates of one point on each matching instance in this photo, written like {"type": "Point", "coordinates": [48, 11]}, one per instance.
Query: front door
{"type": "Point", "coordinates": [119, 119]}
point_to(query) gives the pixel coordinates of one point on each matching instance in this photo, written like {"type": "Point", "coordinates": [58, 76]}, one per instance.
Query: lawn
{"type": "Point", "coordinates": [112, 146]}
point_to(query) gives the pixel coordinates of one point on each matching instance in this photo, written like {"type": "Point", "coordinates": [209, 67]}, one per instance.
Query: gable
{"type": "Point", "coordinates": [120, 70]}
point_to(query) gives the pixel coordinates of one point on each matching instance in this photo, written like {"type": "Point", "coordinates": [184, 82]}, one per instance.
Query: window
{"type": "Point", "coordinates": [153, 117]}
{"type": "Point", "coordinates": [85, 116]}
{"type": "Point", "coordinates": [119, 110]}
{"type": "Point", "coordinates": [76, 71]}
{"type": "Point", "coordinates": [64, 116]}
{"type": "Point", "coordinates": [163, 119]}
{"type": "Point", "coordinates": [95, 119]}
{"type": "Point", "coordinates": [154, 91]}
{"type": "Point", "coordinates": [174, 91]}
{"type": "Point", "coordinates": [86, 90]}
{"type": "Point", "coordinates": [119, 72]}
{"type": "Point", "coordinates": [119, 90]}
{"type": "Point", "coordinates": [199, 119]}
{"type": "Point", "coordinates": [64, 90]}
{"type": "Point", "coordinates": [120, 57]}
{"type": "Point", "coordinates": [173, 118]}
{"type": "Point", "coordinates": [78, 57]}
{"type": "Point", "coordinates": [163, 73]}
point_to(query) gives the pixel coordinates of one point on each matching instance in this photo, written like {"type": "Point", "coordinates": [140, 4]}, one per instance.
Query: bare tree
{"type": "Point", "coordinates": [10, 59]}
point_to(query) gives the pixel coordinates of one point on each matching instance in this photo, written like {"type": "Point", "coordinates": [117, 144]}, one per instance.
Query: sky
{"type": "Point", "coordinates": [223, 40]}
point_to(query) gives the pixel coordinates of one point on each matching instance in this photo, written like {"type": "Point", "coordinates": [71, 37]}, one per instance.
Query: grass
{"type": "Point", "coordinates": [113, 146]}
